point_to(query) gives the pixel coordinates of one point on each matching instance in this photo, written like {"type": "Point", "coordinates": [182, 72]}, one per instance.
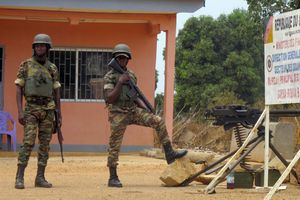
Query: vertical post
{"type": "Point", "coordinates": [169, 77]}
{"type": "Point", "coordinates": [267, 136]}
{"type": "Point", "coordinates": [76, 75]}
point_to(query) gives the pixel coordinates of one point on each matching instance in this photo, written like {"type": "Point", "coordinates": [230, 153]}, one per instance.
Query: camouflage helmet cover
{"type": "Point", "coordinates": [42, 38]}
{"type": "Point", "coordinates": [121, 49]}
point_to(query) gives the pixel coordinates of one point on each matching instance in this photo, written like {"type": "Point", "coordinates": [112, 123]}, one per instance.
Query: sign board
{"type": "Point", "coordinates": [282, 59]}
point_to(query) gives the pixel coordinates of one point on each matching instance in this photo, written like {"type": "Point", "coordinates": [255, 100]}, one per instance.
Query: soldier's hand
{"type": "Point", "coordinates": [124, 78]}
{"type": "Point", "coordinates": [21, 118]}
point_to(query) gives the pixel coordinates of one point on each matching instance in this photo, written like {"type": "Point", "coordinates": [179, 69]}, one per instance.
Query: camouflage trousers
{"type": "Point", "coordinates": [118, 124]}
{"type": "Point", "coordinates": [36, 121]}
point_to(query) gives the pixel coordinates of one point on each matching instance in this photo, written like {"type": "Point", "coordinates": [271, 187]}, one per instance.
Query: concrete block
{"type": "Point", "coordinates": [178, 171]}
{"type": "Point", "coordinates": [284, 140]}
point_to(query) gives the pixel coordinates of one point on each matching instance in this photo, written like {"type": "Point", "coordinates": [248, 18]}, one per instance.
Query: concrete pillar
{"type": "Point", "coordinates": [169, 77]}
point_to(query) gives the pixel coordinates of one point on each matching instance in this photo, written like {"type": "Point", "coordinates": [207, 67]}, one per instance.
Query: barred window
{"type": "Point", "coordinates": [81, 72]}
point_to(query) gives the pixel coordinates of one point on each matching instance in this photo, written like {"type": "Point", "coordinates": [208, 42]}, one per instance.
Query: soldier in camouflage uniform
{"type": "Point", "coordinates": [37, 80]}
{"type": "Point", "coordinates": [125, 111]}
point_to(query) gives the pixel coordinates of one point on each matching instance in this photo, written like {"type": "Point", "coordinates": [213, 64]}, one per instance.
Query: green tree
{"type": "Point", "coordinates": [159, 103]}
{"type": "Point", "coordinates": [214, 57]}
{"type": "Point", "coordinates": [261, 10]}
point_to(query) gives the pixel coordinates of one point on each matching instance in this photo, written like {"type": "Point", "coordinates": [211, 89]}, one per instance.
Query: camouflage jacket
{"type": "Point", "coordinates": [123, 103]}
{"type": "Point", "coordinates": [23, 74]}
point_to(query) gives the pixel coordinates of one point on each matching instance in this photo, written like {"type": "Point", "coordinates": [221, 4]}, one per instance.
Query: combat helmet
{"type": "Point", "coordinates": [121, 49]}
{"type": "Point", "coordinates": [42, 38]}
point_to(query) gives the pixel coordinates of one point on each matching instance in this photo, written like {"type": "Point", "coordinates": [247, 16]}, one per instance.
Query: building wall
{"type": "Point", "coordinates": [83, 123]}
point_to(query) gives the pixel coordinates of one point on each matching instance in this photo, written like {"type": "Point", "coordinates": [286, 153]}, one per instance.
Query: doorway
{"type": "Point", "coordinates": [1, 76]}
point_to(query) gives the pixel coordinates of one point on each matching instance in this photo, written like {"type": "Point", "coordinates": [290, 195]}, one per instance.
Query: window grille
{"type": "Point", "coordinates": [81, 72]}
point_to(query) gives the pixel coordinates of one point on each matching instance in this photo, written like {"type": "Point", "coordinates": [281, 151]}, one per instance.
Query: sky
{"type": "Point", "coordinates": [212, 8]}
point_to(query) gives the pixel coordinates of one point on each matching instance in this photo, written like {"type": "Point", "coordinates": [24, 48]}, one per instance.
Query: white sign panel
{"type": "Point", "coordinates": [282, 59]}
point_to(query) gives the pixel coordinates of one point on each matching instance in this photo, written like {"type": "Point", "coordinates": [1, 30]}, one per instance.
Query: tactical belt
{"type": "Point", "coordinates": [38, 101]}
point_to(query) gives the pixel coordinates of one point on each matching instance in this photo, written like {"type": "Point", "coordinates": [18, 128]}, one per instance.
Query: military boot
{"type": "Point", "coordinates": [172, 155]}
{"type": "Point", "coordinates": [113, 178]}
{"type": "Point", "coordinates": [40, 180]}
{"type": "Point", "coordinates": [20, 177]}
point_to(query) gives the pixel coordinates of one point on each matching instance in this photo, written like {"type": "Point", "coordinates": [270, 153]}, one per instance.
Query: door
{"type": "Point", "coordinates": [1, 86]}
{"type": "Point", "coordinates": [1, 76]}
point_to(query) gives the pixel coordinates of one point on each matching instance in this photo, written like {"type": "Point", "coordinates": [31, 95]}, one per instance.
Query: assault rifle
{"type": "Point", "coordinates": [134, 90]}
{"type": "Point", "coordinates": [235, 116]}
{"type": "Point", "coordinates": [59, 134]}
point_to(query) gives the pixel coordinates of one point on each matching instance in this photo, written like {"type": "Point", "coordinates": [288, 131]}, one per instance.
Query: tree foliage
{"type": "Point", "coordinates": [261, 10]}
{"type": "Point", "coordinates": [219, 59]}
{"type": "Point", "coordinates": [159, 103]}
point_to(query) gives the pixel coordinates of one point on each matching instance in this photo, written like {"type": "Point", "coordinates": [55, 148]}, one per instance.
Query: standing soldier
{"type": "Point", "coordinates": [125, 111]}
{"type": "Point", "coordinates": [37, 80]}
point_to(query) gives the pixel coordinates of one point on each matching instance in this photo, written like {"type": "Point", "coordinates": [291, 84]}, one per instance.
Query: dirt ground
{"type": "Point", "coordinates": [85, 177]}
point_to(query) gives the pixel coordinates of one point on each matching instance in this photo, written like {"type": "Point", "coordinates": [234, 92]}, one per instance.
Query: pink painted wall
{"type": "Point", "coordinates": [84, 123]}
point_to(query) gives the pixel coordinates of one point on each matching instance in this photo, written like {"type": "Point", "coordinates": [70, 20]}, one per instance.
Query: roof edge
{"type": "Point", "coordinates": [112, 6]}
